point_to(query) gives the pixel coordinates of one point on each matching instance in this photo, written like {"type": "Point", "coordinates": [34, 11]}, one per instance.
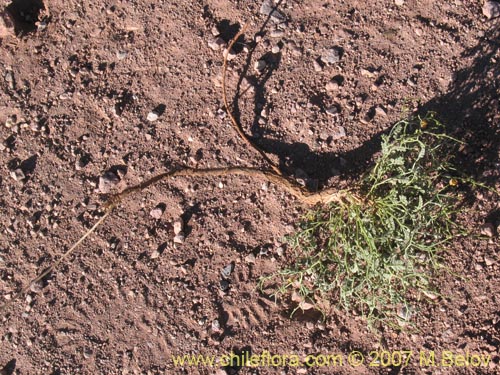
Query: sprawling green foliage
{"type": "Point", "coordinates": [381, 244]}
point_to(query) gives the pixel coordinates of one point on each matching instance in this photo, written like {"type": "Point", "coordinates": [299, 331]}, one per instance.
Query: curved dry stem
{"type": "Point", "coordinates": [290, 186]}
{"type": "Point", "coordinates": [237, 126]}
{"type": "Point", "coordinates": [275, 176]}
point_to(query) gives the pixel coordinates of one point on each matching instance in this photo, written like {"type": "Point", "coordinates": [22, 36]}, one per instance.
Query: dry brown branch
{"type": "Point", "coordinates": [237, 126]}
{"type": "Point", "coordinates": [275, 176]}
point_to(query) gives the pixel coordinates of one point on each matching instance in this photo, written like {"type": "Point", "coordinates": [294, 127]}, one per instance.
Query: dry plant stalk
{"type": "Point", "coordinates": [274, 176]}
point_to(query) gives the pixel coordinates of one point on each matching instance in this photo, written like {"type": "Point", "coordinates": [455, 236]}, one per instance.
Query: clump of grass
{"type": "Point", "coordinates": [380, 246]}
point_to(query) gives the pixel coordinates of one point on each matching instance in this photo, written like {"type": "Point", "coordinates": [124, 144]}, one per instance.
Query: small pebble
{"type": "Point", "coordinates": [250, 258]}
{"type": "Point", "coordinates": [275, 49]}
{"type": "Point", "coordinates": [339, 133]}
{"type": "Point", "coordinates": [18, 174]}
{"type": "Point", "coordinates": [226, 271]}
{"type": "Point", "coordinates": [155, 254]}
{"type": "Point", "coordinates": [317, 66]}
{"type": "Point", "coordinates": [156, 213]}
{"type": "Point", "coordinates": [179, 238]}
{"type": "Point", "coordinates": [10, 122]}
{"type": "Point", "coordinates": [333, 110]}
{"type": "Point", "coordinates": [152, 116]}
{"type": "Point", "coordinates": [332, 85]}
{"type": "Point", "coordinates": [217, 43]}
{"type": "Point", "coordinates": [224, 285]}
{"type": "Point", "coordinates": [260, 65]}
{"type": "Point", "coordinates": [487, 230]}
{"type": "Point", "coordinates": [331, 56]}
{"type": "Point", "coordinates": [491, 9]}
{"type": "Point", "coordinates": [404, 313]}
{"type": "Point", "coordinates": [107, 182]}
{"type": "Point", "coordinates": [229, 55]}
{"type": "Point", "coordinates": [399, 2]}
{"type": "Point", "coordinates": [488, 261]}
{"type": "Point", "coordinates": [268, 9]}
{"type": "Point", "coordinates": [178, 226]}
{"type": "Point", "coordinates": [216, 325]}
{"type": "Point", "coordinates": [277, 34]}
{"type": "Point", "coordinates": [6, 24]}
{"type": "Point", "coordinates": [215, 31]}
{"type": "Point", "coordinates": [380, 111]}
{"type": "Point", "coordinates": [120, 55]}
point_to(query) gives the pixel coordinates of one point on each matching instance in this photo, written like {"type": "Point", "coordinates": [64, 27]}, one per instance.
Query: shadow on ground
{"type": "Point", "coordinates": [469, 109]}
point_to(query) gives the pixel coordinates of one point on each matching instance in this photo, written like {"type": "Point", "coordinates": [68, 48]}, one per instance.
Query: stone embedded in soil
{"type": "Point", "coordinates": [491, 9]}
{"type": "Point", "coordinates": [179, 238]}
{"type": "Point", "coordinates": [250, 258]}
{"type": "Point", "coordinates": [332, 86]}
{"type": "Point", "coordinates": [488, 230]}
{"type": "Point", "coordinates": [152, 116]}
{"type": "Point", "coordinates": [260, 65]}
{"type": "Point", "coordinates": [6, 24]}
{"type": "Point", "coordinates": [229, 55]}
{"type": "Point", "coordinates": [217, 43]}
{"type": "Point", "coordinates": [399, 3]}
{"type": "Point", "coordinates": [268, 9]}
{"type": "Point", "coordinates": [332, 110]}
{"type": "Point", "coordinates": [216, 325]}
{"type": "Point", "coordinates": [156, 212]}
{"type": "Point", "coordinates": [18, 174]}
{"type": "Point", "coordinates": [227, 270]}
{"type": "Point", "coordinates": [379, 111]}
{"type": "Point", "coordinates": [317, 66]}
{"type": "Point", "coordinates": [277, 34]}
{"type": "Point", "coordinates": [178, 226]}
{"type": "Point", "coordinates": [339, 133]}
{"type": "Point", "coordinates": [108, 181]}
{"type": "Point", "coordinates": [155, 254]}
{"type": "Point", "coordinates": [488, 261]}
{"type": "Point", "coordinates": [331, 56]}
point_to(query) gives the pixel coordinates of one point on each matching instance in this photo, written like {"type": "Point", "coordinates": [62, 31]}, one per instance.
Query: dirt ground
{"type": "Point", "coordinates": [133, 89]}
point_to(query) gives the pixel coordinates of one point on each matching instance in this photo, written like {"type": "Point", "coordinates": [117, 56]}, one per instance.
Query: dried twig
{"type": "Point", "coordinates": [274, 176]}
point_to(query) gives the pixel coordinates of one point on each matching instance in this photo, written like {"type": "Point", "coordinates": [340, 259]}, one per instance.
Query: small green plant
{"type": "Point", "coordinates": [380, 246]}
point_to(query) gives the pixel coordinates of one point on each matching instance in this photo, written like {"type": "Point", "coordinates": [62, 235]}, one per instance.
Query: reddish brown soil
{"type": "Point", "coordinates": [80, 90]}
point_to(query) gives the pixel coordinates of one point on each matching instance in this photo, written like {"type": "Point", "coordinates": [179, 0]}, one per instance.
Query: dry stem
{"type": "Point", "coordinates": [275, 176]}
